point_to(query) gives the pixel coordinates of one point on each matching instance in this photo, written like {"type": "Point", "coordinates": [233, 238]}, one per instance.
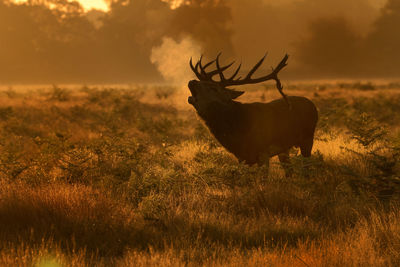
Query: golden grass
{"type": "Point", "coordinates": [90, 217]}
{"type": "Point", "coordinates": [373, 241]}
{"type": "Point", "coordinates": [113, 178]}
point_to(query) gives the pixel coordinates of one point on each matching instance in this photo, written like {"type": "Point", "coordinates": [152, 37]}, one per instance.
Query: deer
{"type": "Point", "coordinates": [252, 132]}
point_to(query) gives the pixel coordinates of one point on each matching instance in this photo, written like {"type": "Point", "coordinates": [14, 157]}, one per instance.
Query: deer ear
{"type": "Point", "coordinates": [234, 94]}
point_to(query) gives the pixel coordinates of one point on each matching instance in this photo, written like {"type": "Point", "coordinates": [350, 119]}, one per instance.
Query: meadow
{"type": "Point", "coordinates": [130, 176]}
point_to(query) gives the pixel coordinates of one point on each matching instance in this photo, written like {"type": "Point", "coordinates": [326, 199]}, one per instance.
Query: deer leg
{"type": "Point", "coordinates": [305, 149]}
{"type": "Point", "coordinates": [284, 159]}
{"type": "Point", "coordinates": [263, 161]}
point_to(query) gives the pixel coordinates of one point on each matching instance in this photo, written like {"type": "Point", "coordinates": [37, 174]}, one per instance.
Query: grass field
{"type": "Point", "coordinates": [112, 176]}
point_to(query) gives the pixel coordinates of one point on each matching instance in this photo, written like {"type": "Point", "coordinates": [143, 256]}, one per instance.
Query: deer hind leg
{"type": "Point", "coordinates": [284, 159]}
{"type": "Point", "coordinates": [306, 147]}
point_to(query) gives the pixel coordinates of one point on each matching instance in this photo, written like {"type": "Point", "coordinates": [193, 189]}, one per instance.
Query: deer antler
{"type": "Point", "coordinates": [207, 76]}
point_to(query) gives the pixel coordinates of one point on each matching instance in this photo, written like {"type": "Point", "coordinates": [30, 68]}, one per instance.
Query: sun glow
{"type": "Point", "coordinates": [94, 4]}
{"type": "Point", "coordinates": [86, 4]}
{"type": "Point", "coordinates": [174, 3]}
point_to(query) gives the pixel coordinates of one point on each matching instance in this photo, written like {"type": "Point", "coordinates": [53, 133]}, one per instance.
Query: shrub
{"type": "Point", "coordinates": [381, 156]}
{"type": "Point", "coordinates": [60, 94]}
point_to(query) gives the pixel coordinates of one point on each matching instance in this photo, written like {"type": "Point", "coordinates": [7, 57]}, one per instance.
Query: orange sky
{"type": "Point", "coordinates": [97, 4]}
{"type": "Point", "coordinates": [87, 4]}
{"type": "Point", "coordinates": [101, 5]}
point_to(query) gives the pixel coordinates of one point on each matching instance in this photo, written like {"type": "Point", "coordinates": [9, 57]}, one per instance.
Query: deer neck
{"type": "Point", "coordinates": [222, 119]}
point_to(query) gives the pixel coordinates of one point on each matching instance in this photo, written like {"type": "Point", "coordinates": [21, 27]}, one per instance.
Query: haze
{"type": "Point", "coordinates": [54, 41]}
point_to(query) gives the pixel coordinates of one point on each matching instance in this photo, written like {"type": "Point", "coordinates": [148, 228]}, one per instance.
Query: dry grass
{"type": "Point", "coordinates": [123, 177]}
{"type": "Point", "coordinates": [77, 226]}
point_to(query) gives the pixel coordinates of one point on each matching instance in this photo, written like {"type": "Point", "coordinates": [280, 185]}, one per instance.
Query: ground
{"type": "Point", "coordinates": [130, 176]}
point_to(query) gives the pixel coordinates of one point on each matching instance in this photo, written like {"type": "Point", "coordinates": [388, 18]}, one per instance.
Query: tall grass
{"type": "Point", "coordinates": [100, 177]}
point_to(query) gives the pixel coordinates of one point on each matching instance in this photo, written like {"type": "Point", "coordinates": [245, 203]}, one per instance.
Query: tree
{"type": "Point", "coordinates": [332, 48]}
{"type": "Point", "coordinates": [383, 43]}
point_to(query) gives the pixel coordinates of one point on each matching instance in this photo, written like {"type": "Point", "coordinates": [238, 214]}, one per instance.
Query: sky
{"type": "Point", "coordinates": [87, 4]}
{"type": "Point", "coordinates": [94, 4]}
{"type": "Point", "coordinates": [101, 4]}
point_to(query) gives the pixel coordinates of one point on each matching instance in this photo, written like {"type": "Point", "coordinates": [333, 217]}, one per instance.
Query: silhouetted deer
{"type": "Point", "coordinates": [253, 132]}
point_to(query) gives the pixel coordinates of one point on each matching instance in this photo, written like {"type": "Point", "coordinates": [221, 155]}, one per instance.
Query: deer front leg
{"type": "Point", "coordinates": [263, 161]}
{"type": "Point", "coordinates": [284, 159]}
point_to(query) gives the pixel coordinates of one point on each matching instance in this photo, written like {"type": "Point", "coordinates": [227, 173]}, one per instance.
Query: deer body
{"type": "Point", "coordinates": [253, 132]}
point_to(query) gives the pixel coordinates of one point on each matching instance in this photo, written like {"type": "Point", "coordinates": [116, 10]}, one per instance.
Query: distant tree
{"type": "Point", "coordinates": [57, 41]}
{"type": "Point", "coordinates": [208, 22]}
{"type": "Point", "coordinates": [332, 48]}
{"type": "Point", "coordinates": [39, 43]}
{"type": "Point", "coordinates": [383, 43]}
{"type": "Point", "coordinates": [130, 30]}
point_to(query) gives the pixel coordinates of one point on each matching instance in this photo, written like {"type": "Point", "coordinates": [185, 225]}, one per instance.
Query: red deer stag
{"type": "Point", "coordinates": [253, 132]}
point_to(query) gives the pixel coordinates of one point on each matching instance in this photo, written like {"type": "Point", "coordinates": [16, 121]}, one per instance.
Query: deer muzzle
{"type": "Point", "coordinates": [191, 100]}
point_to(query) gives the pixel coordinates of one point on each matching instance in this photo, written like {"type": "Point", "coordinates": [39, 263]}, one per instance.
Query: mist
{"type": "Point", "coordinates": [153, 40]}
{"type": "Point", "coordinates": [171, 59]}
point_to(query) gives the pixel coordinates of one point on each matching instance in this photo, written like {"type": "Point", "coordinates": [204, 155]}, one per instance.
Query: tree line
{"type": "Point", "coordinates": [57, 41]}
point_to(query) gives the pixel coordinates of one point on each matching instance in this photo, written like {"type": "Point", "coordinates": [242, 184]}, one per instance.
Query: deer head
{"type": "Point", "coordinates": [206, 90]}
